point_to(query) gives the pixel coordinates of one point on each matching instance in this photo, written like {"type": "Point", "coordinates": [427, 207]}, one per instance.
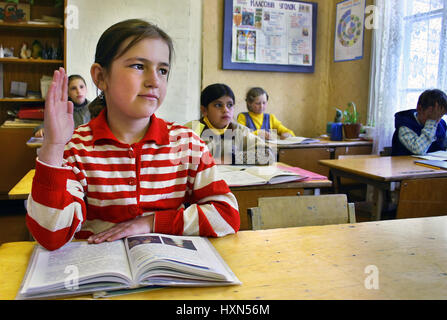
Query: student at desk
{"type": "Point", "coordinates": [258, 121]}
{"type": "Point", "coordinates": [228, 141]}
{"type": "Point", "coordinates": [126, 172]}
{"type": "Point", "coordinates": [421, 130]}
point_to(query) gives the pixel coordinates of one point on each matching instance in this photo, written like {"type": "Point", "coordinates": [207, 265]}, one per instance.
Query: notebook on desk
{"type": "Point", "coordinates": [239, 176]}
{"type": "Point", "coordinates": [294, 140]}
{"type": "Point", "coordinates": [436, 164]}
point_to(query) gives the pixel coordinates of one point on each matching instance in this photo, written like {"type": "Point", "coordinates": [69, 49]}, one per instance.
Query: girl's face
{"type": "Point", "coordinates": [136, 83]}
{"type": "Point", "coordinates": [77, 91]}
{"type": "Point", "coordinates": [259, 104]}
{"type": "Point", "coordinates": [220, 112]}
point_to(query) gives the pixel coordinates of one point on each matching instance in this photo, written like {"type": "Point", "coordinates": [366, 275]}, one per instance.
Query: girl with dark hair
{"type": "Point", "coordinates": [126, 172]}
{"type": "Point", "coordinates": [228, 141]}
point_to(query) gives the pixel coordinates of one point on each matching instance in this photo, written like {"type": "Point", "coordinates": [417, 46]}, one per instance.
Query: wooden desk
{"type": "Point", "coordinates": [23, 188]}
{"type": "Point", "coordinates": [383, 173]}
{"type": "Point", "coordinates": [321, 262]}
{"type": "Point", "coordinates": [306, 156]}
{"type": "Point", "coordinates": [247, 197]}
{"type": "Point", "coordinates": [16, 159]}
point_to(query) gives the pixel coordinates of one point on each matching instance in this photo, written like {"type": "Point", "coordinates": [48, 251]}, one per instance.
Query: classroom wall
{"type": "Point", "coordinates": [180, 19]}
{"type": "Point", "coordinates": [349, 80]}
{"type": "Point", "coordinates": [303, 102]}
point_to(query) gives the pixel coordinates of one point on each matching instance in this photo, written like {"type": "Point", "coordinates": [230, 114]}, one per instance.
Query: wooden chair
{"type": "Point", "coordinates": [297, 211]}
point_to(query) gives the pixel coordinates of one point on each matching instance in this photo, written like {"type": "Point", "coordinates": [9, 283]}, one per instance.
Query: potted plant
{"type": "Point", "coordinates": [351, 126]}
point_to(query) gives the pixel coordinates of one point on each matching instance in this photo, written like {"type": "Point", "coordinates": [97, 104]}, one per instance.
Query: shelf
{"type": "Point", "coordinates": [28, 26]}
{"type": "Point", "coordinates": [30, 61]}
{"type": "Point", "coordinates": [21, 100]}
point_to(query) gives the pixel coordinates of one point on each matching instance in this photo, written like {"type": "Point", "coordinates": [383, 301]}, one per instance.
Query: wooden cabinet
{"type": "Point", "coordinates": [17, 158]}
{"type": "Point", "coordinates": [307, 156]}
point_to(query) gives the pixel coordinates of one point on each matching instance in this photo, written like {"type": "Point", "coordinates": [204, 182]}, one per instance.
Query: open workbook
{"type": "Point", "coordinates": [294, 140]}
{"type": "Point", "coordinates": [437, 155]}
{"type": "Point", "coordinates": [135, 262]}
{"type": "Point", "coordinates": [237, 176]}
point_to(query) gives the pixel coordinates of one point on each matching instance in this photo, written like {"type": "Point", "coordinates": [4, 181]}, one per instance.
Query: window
{"type": "Point", "coordinates": [424, 53]}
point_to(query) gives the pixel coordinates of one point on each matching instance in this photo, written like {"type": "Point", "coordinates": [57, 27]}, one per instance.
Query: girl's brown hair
{"type": "Point", "coordinates": [253, 93]}
{"type": "Point", "coordinates": [108, 47]}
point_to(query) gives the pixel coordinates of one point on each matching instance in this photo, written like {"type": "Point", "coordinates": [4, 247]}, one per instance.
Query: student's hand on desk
{"type": "Point", "coordinates": [264, 135]}
{"type": "Point", "coordinates": [39, 133]}
{"type": "Point", "coordinates": [285, 135]}
{"type": "Point", "coordinates": [124, 229]}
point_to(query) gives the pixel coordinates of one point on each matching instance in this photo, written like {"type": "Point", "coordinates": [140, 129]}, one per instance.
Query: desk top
{"type": "Point", "coordinates": [384, 168]}
{"type": "Point", "coordinates": [22, 189]}
{"type": "Point", "coordinates": [409, 257]}
{"type": "Point", "coordinates": [325, 143]}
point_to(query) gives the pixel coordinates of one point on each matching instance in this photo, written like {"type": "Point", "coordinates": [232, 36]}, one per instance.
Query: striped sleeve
{"type": "Point", "coordinates": [211, 211]}
{"type": "Point", "coordinates": [55, 207]}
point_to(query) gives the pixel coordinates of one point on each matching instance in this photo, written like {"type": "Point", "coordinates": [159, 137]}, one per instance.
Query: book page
{"type": "Point", "coordinates": [50, 267]}
{"type": "Point", "coordinates": [236, 176]}
{"type": "Point", "coordinates": [273, 174]}
{"type": "Point", "coordinates": [294, 140]}
{"type": "Point", "coordinates": [192, 252]}
{"type": "Point", "coordinates": [437, 155]}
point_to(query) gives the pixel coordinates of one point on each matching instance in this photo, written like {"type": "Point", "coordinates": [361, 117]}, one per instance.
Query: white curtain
{"type": "Point", "coordinates": [386, 60]}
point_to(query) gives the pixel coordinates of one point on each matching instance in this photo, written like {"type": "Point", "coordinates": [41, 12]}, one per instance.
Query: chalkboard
{"type": "Point", "coordinates": [269, 35]}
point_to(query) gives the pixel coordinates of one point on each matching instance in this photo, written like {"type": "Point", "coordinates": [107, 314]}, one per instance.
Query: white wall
{"type": "Point", "coordinates": [181, 19]}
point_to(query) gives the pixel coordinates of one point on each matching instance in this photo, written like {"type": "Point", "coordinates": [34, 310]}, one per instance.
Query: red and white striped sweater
{"type": "Point", "coordinates": [169, 173]}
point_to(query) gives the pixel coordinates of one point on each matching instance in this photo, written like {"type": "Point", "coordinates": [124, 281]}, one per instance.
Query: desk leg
{"type": "Point", "coordinates": [379, 195]}
{"type": "Point", "coordinates": [335, 182]}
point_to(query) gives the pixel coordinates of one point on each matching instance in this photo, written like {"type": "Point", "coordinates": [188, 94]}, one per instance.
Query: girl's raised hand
{"type": "Point", "coordinates": [58, 120]}
{"type": "Point", "coordinates": [58, 123]}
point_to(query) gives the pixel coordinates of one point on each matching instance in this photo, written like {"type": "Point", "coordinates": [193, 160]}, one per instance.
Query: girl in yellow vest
{"type": "Point", "coordinates": [262, 124]}
{"type": "Point", "coordinates": [228, 141]}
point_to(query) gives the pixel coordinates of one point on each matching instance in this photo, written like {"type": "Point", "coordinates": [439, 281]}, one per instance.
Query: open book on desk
{"type": "Point", "coordinates": [135, 262]}
{"type": "Point", "coordinates": [34, 142]}
{"type": "Point", "coordinates": [294, 140]}
{"type": "Point", "coordinates": [238, 176]}
{"type": "Point", "coordinates": [437, 155]}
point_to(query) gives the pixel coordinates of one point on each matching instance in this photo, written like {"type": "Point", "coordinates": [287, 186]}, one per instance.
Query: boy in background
{"type": "Point", "coordinates": [421, 130]}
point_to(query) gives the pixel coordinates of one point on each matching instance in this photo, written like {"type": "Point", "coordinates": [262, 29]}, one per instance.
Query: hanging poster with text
{"type": "Point", "coordinates": [349, 27]}
{"type": "Point", "coordinates": [269, 35]}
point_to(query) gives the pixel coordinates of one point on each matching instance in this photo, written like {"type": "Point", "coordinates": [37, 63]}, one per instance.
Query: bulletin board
{"type": "Point", "coordinates": [270, 35]}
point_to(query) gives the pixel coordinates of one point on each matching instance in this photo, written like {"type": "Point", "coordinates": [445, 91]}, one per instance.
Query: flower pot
{"type": "Point", "coordinates": [352, 130]}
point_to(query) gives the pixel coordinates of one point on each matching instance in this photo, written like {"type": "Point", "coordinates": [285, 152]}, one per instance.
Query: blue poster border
{"type": "Point", "coordinates": [227, 64]}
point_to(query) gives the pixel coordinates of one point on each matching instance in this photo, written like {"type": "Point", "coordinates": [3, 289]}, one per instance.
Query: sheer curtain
{"type": "Point", "coordinates": [386, 58]}
{"type": "Point", "coordinates": [408, 56]}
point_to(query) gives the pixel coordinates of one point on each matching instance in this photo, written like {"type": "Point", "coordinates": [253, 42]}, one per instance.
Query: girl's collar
{"type": "Point", "coordinates": [215, 130]}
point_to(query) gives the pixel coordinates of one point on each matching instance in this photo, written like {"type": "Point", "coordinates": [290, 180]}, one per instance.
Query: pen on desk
{"type": "Point", "coordinates": [426, 165]}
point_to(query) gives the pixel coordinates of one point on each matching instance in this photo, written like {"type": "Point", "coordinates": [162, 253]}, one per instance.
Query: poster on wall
{"type": "Point", "coordinates": [349, 30]}
{"type": "Point", "coordinates": [269, 35]}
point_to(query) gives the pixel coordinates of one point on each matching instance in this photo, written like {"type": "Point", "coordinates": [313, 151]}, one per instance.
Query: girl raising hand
{"type": "Point", "coordinates": [125, 172]}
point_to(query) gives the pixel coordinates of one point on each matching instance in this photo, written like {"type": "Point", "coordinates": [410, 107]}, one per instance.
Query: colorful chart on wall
{"type": "Point", "coordinates": [349, 30]}
{"type": "Point", "coordinates": [270, 35]}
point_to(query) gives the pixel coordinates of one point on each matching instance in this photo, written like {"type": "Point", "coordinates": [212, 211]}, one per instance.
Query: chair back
{"type": "Point", "coordinates": [297, 211]}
